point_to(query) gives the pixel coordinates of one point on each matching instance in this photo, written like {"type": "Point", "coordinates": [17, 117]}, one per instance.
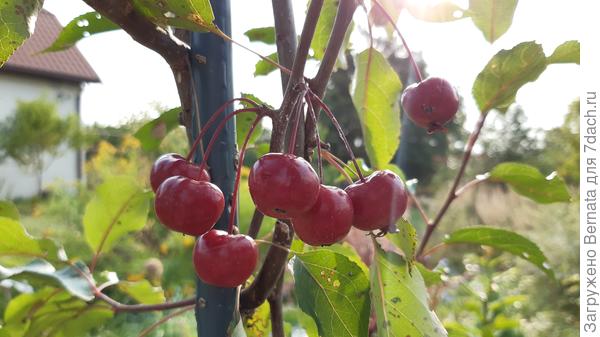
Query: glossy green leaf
{"type": "Point", "coordinates": [262, 34]}
{"type": "Point", "coordinates": [400, 298]}
{"type": "Point", "coordinates": [405, 239]}
{"type": "Point", "coordinates": [299, 320]}
{"type": "Point", "coordinates": [567, 52]}
{"type": "Point", "coordinates": [195, 15]}
{"type": "Point", "coordinates": [443, 11]}
{"type": "Point", "coordinates": [259, 323]}
{"type": "Point", "coordinates": [348, 251]}
{"type": "Point", "coordinates": [492, 17]}
{"type": "Point", "coordinates": [375, 91]}
{"type": "Point", "coordinates": [41, 272]}
{"type": "Point", "coordinates": [503, 240]}
{"type": "Point", "coordinates": [262, 67]}
{"type": "Point", "coordinates": [497, 84]}
{"type": "Point", "coordinates": [17, 22]}
{"type": "Point", "coordinates": [323, 28]}
{"type": "Point", "coordinates": [79, 28]}
{"type": "Point", "coordinates": [143, 292]}
{"type": "Point", "coordinates": [255, 99]}
{"type": "Point", "coordinates": [334, 291]}
{"type": "Point", "coordinates": [51, 312]}
{"type": "Point", "coordinates": [83, 320]}
{"type": "Point", "coordinates": [152, 133]}
{"type": "Point", "coordinates": [243, 122]}
{"type": "Point", "coordinates": [528, 181]}
{"type": "Point", "coordinates": [118, 207]}
{"type": "Point", "coordinates": [9, 210]}
{"type": "Point", "coordinates": [431, 277]}
{"type": "Point", "coordinates": [17, 246]}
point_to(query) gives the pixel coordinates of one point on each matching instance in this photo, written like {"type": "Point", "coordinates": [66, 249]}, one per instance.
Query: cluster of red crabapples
{"type": "Point", "coordinates": [285, 186]}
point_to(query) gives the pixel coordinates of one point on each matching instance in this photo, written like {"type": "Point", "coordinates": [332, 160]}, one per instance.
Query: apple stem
{"type": "Point", "coordinates": [311, 112]}
{"type": "Point", "coordinates": [341, 134]}
{"type": "Point", "coordinates": [218, 131]}
{"type": "Point", "coordinates": [410, 55]}
{"type": "Point", "coordinates": [211, 121]}
{"type": "Point", "coordinates": [341, 162]}
{"type": "Point", "coordinates": [236, 185]}
{"type": "Point", "coordinates": [329, 158]}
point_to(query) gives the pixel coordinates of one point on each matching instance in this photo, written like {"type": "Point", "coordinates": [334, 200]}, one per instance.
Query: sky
{"type": "Point", "coordinates": [135, 80]}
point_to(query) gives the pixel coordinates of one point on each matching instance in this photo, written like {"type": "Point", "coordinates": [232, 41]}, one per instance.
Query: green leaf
{"type": "Point", "coordinates": [375, 91]}
{"type": "Point", "coordinates": [243, 122]}
{"type": "Point", "coordinates": [263, 67]}
{"type": "Point", "coordinates": [529, 182]}
{"type": "Point", "coordinates": [52, 312]}
{"type": "Point", "coordinates": [143, 292]}
{"type": "Point", "coordinates": [118, 207]}
{"type": "Point", "coordinates": [255, 99]}
{"type": "Point", "coordinates": [152, 133]}
{"type": "Point", "coordinates": [79, 28]}
{"type": "Point", "coordinates": [17, 22]}
{"type": "Point", "coordinates": [298, 319]}
{"type": "Point", "coordinates": [431, 277]}
{"type": "Point", "coordinates": [348, 251]}
{"type": "Point", "coordinates": [9, 210]}
{"type": "Point", "coordinates": [497, 84]}
{"type": "Point", "coordinates": [334, 291]}
{"type": "Point", "coordinates": [503, 240]}
{"type": "Point", "coordinates": [17, 246]}
{"type": "Point", "coordinates": [40, 271]}
{"type": "Point", "coordinates": [323, 28]}
{"type": "Point", "coordinates": [444, 11]}
{"type": "Point", "coordinates": [195, 15]}
{"type": "Point", "coordinates": [83, 320]}
{"type": "Point", "coordinates": [567, 52]}
{"type": "Point", "coordinates": [492, 17]}
{"type": "Point", "coordinates": [400, 299]}
{"type": "Point", "coordinates": [405, 239]}
{"type": "Point", "coordinates": [259, 323]}
{"type": "Point", "coordinates": [263, 34]}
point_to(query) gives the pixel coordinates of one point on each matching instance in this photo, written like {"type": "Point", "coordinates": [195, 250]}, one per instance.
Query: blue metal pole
{"type": "Point", "coordinates": [216, 308]}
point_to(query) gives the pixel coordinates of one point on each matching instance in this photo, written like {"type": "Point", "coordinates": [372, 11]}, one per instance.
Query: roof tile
{"type": "Point", "coordinates": [67, 65]}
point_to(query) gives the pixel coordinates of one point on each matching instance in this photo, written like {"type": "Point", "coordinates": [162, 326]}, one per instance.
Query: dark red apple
{"type": "Point", "coordinates": [328, 221]}
{"type": "Point", "coordinates": [188, 206]}
{"type": "Point", "coordinates": [172, 164]}
{"type": "Point", "coordinates": [283, 185]}
{"type": "Point", "coordinates": [430, 103]}
{"type": "Point", "coordinates": [225, 260]}
{"type": "Point", "coordinates": [379, 201]}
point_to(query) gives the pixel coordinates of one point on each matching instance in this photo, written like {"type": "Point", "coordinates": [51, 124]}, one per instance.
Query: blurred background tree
{"type": "Point", "coordinates": [35, 130]}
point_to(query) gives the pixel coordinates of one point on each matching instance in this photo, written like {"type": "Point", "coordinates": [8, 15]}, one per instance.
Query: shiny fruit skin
{"type": "Point", "coordinates": [431, 103]}
{"type": "Point", "coordinates": [283, 185]}
{"type": "Point", "coordinates": [225, 260]}
{"type": "Point", "coordinates": [379, 201]}
{"type": "Point", "coordinates": [328, 221]}
{"type": "Point", "coordinates": [188, 206]}
{"type": "Point", "coordinates": [172, 164]}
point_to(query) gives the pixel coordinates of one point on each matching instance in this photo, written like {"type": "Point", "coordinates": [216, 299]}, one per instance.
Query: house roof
{"type": "Point", "coordinates": [67, 65]}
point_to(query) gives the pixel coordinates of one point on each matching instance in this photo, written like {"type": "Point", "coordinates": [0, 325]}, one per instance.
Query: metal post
{"type": "Point", "coordinates": [216, 308]}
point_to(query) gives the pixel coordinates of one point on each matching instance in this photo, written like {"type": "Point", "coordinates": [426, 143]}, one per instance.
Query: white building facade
{"type": "Point", "coordinates": [58, 77]}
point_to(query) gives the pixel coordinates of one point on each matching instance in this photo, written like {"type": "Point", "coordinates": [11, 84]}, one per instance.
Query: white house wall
{"type": "Point", "coordinates": [15, 181]}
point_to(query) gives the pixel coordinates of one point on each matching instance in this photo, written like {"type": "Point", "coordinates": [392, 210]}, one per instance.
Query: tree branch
{"type": "Point", "coordinates": [318, 84]}
{"type": "Point", "coordinates": [120, 307]}
{"type": "Point", "coordinates": [452, 193]}
{"type": "Point", "coordinates": [174, 51]}
{"type": "Point", "coordinates": [276, 306]}
{"type": "Point", "coordinates": [271, 270]}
